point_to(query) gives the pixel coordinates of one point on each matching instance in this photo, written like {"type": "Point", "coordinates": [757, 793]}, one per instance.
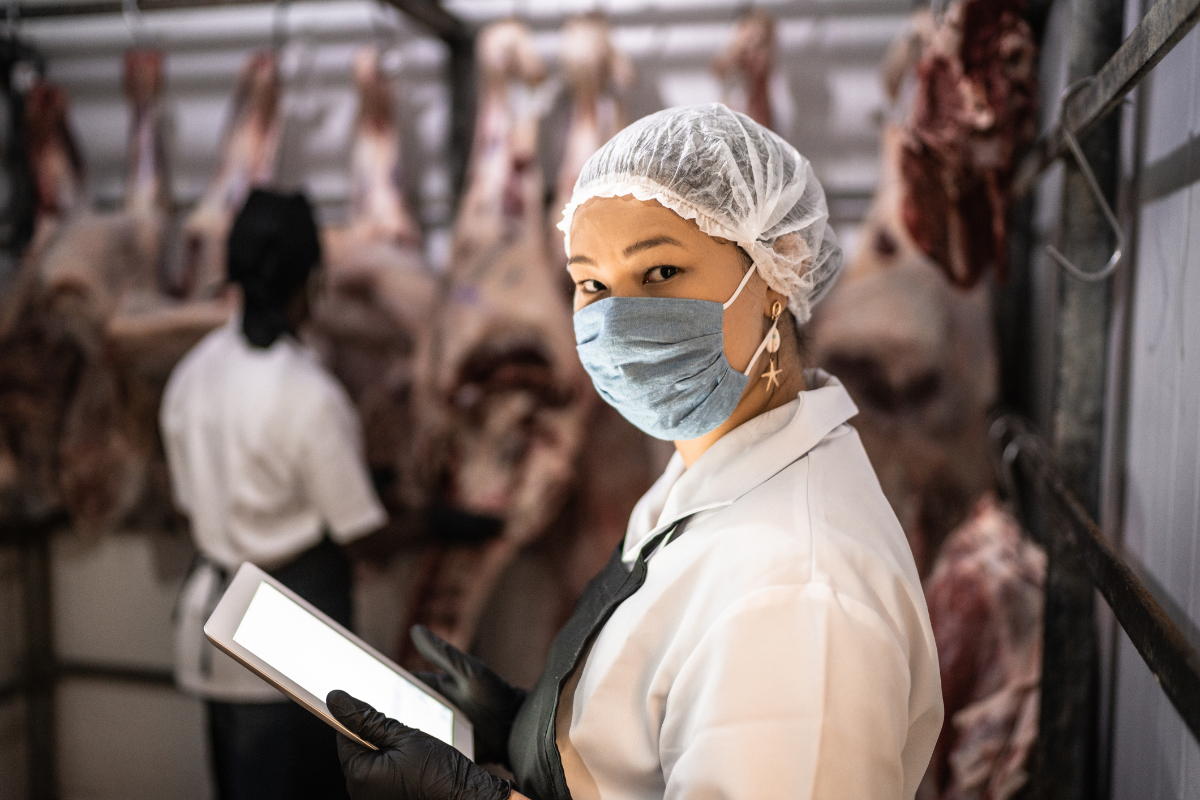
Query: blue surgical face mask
{"type": "Point", "coordinates": [661, 361]}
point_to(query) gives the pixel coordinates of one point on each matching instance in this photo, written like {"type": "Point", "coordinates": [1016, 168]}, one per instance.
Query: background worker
{"type": "Point", "coordinates": [266, 459]}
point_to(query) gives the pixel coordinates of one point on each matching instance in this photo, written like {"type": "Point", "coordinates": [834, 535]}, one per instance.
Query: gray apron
{"type": "Point", "coordinates": [532, 745]}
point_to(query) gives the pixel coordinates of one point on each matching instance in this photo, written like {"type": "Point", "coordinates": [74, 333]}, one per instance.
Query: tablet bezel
{"type": "Point", "coordinates": [224, 621]}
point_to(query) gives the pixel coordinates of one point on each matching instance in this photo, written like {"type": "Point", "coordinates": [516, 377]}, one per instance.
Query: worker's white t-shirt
{"type": "Point", "coordinates": [780, 646]}
{"type": "Point", "coordinates": [265, 451]}
{"type": "Point", "coordinates": [266, 456]}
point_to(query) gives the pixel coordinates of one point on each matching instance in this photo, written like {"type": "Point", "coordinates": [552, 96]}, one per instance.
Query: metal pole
{"type": "Point", "coordinates": [1065, 763]}
{"type": "Point", "coordinates": [462, 109]}
{"type": "Point", "coordinates": [460, 73]}
{"type": "Point", "coordinates": [40, 669]}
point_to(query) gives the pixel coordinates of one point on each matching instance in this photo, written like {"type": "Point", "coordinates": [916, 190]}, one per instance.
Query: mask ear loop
{"type": "Point", "coordinates": [745, 279]}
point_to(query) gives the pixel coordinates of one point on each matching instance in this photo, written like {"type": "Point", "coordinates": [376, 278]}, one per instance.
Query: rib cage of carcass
{"type": "Point", "coordinates": [91, 298]}
{"type": "Point", "coordinates": [908, 330]}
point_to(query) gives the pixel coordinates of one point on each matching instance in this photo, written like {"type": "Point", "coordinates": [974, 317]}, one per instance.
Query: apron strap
{"type": "Point", "coordinates": [532, 745]}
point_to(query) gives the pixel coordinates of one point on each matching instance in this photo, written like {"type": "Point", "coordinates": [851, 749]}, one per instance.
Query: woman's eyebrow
{"type": "Point", "coordinates": [580, 260]}
{"type": "Point", "coordinates": [646, 244]}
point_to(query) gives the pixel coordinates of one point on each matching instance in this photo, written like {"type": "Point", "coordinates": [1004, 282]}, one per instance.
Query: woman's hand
{"type": "Point", "coordinates": [489, 702]}
{"type": "Point", "coordinates": [408, 763]}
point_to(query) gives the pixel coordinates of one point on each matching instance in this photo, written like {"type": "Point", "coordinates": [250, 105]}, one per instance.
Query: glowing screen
{"type": "Point", "coordinates": [305, 649]}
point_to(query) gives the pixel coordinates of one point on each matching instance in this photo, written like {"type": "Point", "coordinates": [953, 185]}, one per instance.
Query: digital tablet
{"type": "Point", "coordinates": [306, 655]}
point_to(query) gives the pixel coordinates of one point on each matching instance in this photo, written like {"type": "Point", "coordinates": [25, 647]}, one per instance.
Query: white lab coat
{"type": "Point", "coordinates": [266, 456]}
{"type": "Point", "coordinates": [780, 646]}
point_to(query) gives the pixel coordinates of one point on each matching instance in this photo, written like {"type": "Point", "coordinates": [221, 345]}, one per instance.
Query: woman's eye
{"type": "Point", "coordinates": [660, 274]}
{"type": "Point", "coordinates": [590, 286]}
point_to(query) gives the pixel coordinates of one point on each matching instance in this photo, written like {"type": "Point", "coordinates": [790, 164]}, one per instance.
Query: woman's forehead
{"type": "Point", "coordinates": [628, 217]}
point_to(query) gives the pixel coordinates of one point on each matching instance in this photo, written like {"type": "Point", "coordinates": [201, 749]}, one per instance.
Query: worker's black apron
{"type": "Point", "coordinates": [532, 745]}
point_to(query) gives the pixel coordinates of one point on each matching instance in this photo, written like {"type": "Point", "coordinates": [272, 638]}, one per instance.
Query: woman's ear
{"type": "Point", "coordinates": [770, 298]}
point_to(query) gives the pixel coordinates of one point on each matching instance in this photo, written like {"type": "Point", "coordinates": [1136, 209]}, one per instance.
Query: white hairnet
{"type": "Point", "coordinates": [737, 180]}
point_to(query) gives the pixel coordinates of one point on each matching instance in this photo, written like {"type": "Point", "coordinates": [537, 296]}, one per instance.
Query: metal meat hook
{"type": "Point", "coordinates": [133, 20]}
{"type": "Point", "coordinates": [280, 34]}
{"type": "Point", "coordinates": [12, 18]}
{"type": "Point", "coordinates": [1097, 195]}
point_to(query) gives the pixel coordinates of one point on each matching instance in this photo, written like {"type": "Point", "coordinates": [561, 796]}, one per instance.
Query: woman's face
{"type": "Point", "coordinates": [624, 247]}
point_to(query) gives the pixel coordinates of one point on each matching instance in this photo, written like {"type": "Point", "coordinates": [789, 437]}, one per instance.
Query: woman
{"type": "Point", "coordinates": [761, 632]}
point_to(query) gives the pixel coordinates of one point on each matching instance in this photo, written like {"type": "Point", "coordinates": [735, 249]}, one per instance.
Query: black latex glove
{"type": "Point", "coordinates": [489, 702]}
{"type": "Point", "coordinates": [409, 764]}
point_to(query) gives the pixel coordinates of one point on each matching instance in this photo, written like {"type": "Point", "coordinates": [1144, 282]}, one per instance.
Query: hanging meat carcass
{"type": "Point", "coordinates": [379, 293]}
{"type": "Point", "coordinates": [618, 462]}
{"type": "Point", "coordinates": [918, 357]}
{"type": "Point", "coordinates": [596, 74]}
{"type": "Point", "coordinates": [100, 285]}
{"type": "Point", "coordinates": [750, 57]}
{"type": "Point", "coordinates": [100, 263]}
{"type": "Point", "coordinates": [916, 351]}
{"type": "Point", "coordinates": [38, 364]}
{"type": "Point", "coordinates": [974, 112]}
{"type": "Point", "coordinates": [247, 159]}
{"type": "Point", "coordinates": [986, 601]}
{"type": "Point", "coordinates": [504, 400]}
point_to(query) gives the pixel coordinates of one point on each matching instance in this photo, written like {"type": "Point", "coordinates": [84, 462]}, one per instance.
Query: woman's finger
{"type": "Point", "coordinates": [439, 652]}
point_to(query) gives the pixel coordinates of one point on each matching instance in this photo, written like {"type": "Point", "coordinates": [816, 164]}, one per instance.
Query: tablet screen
{"type": "Point", "coordinates": [319, 659]}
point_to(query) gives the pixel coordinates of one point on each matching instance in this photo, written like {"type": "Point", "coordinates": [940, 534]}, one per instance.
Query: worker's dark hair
{"type": "Point", "coordinates": [273, 247]}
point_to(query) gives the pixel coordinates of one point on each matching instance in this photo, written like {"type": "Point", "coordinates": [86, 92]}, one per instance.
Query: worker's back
{"type": "Point", "coordinates": [265, 451]}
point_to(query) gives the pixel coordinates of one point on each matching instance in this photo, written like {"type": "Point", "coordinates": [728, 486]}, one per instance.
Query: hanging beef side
{"type": "Point", "coordinates": [248, 158]}
{"type": "Point", "coordinates": [908, 330]}
{"type": "Point", "coordinates": [986, 603]}
{"type": "Point", "coordinates": [750, 59]}
{"type": "Point", "coordinates": [378, 297]}
{"type": "Point", "coordinates": [974, 112]}
{"type": "Point", "coordinates": [502, 404]}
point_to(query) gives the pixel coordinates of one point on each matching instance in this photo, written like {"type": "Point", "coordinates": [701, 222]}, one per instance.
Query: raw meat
{"type": "Point", "coordinates": [100, 282]}
{"type": "Point", "coordinates": [248, 159]}
{"type": "Point", "coordinates": [53, 155]}
{"type": "Point", "coordinates": [986, 601]}
{"type": "Point", "coordinates": [38, 364]}
{"type": "Point", "coordinates": [504, 398]}
{"type": "Point", "coordinates": [618, 462]}
{"type": "Point", "coordinates": [917, 356]}
{"type": "Point", "coordinates": [93, 289]}
{"type": "Point", "coordinates": [596, 75]}
{"type": "Point", "coordinates": [751, 57]}
{"type": "Point", "coordinates": [975, 110]}
{"type": "Point", "coordinates": [915, 348]}
{"type": "Point", "coordinates": [379, 293]}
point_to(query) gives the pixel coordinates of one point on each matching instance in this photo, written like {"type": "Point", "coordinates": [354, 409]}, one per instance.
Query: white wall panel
{"type": "Point", "coordinates": [118, 742]}
{"type": "Point", "coordinates": [1155, 757]}
{"type": "Point", "coordinates": [110, 605]}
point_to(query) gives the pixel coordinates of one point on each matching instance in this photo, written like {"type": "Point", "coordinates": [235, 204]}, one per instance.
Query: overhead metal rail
{"type": "Point", "coordinates": [1156, 34]}
{"type": "Point", "coordinates": [1160, 637]}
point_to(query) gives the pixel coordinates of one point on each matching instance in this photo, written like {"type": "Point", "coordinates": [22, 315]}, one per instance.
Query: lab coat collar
{"type": "Point", "coordinates": [740, 460]}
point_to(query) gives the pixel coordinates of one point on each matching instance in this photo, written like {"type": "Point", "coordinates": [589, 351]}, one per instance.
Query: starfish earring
{"type": "Point", "coordinates": [773, 341]}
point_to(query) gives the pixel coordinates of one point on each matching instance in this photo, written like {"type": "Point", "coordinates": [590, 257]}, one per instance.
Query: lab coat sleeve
{"type": "Point", "coordinates": [795, 692]}
{"type": "Point", "coordinates": [335, 470]}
